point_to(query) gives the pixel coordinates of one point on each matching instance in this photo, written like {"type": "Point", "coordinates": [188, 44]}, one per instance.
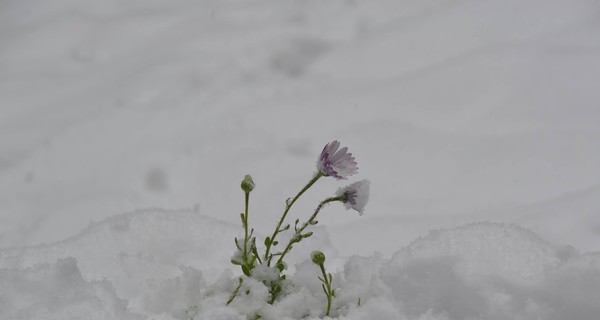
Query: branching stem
{"type": "Point", "coordinates": [288, 206]}
{"type": "Point", "coordinates": [298, 235]}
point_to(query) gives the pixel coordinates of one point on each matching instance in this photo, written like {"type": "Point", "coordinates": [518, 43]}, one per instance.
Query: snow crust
{"type": "Point", "coordinates": [157, 264]}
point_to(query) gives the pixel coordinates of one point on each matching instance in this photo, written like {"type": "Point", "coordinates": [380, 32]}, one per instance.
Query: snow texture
{"type": "Point", "coordinates": [458, 112]}
{"type": "Point", "coordinates": [173, 265]}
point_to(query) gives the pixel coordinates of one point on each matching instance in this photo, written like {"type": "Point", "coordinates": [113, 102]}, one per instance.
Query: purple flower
{"type": "Point", "coordinates": [355, 195]}
{"type": "Point", "coordinates": [336, 163]}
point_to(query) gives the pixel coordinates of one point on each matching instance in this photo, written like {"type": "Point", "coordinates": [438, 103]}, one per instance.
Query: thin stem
{"type": "Point", "coordinates": [245, 251]}
{"type": "Point", "coordinates": [306, 224]}
{"type": "Point", "coordinates": [288, 206]}
{"type": "Point", "coordinates": [328, 292]}
{"type": "Point", "coordinates": [235, 292]}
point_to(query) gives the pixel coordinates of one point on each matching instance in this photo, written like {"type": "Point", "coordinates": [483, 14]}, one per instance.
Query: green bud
{"type": "Point", "coordinates": [247, 184]}
{"type": "Point", "coordinates": [317, 257]}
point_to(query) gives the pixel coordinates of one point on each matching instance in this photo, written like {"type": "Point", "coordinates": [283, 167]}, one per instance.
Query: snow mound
{"type": "Point", "coordinates": [492, 271]}
{"type": "Point", "coordinates": [166, 265]}
{"type": "Point", "coordinates": [136, 252]}
{"type": "Point", "coordinates": [486, 249]}
{"type": "Point", "coordinates": [58, 291]}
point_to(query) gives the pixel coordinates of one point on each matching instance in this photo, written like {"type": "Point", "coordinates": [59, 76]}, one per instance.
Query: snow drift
{"type": "Point", "coordinates": [157, 264]}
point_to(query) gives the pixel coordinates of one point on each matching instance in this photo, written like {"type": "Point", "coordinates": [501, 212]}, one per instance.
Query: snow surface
{"type": "Point", "coordinates": [157, 264]}
{"type": "Point", "coordinates": [459, 112]}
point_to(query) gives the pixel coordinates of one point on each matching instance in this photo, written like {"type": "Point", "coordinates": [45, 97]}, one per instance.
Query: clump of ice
{"type": "Point", "coordinates": [169, 265]}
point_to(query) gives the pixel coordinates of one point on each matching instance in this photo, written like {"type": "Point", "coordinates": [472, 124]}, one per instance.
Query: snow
{"type": "Point", "coordinates": [173, 265]}
{"type": "Point", "coordinates": [126, 127]}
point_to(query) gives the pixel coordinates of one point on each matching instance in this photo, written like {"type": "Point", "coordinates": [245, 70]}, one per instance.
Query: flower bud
{"type": "Point", "coordinates": [317, 257]}
{"type": "Point", "coordinates": [247, 184]}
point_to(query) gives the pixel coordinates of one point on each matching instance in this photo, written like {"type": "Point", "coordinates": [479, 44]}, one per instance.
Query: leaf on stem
{"type": "Point", "coordinates": [256, 255]}
{"type": "Point", "coordinates": [281, 266]}
{"type": "Point", "coordinates": [246, 271]}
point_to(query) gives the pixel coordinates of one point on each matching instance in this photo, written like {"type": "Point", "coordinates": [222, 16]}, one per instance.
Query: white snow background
{"type": "Point", "coordinates": [475, 119]}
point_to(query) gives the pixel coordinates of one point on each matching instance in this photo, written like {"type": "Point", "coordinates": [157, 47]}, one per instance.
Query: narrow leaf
{"type": "Point", "coordinates": [245, 270]}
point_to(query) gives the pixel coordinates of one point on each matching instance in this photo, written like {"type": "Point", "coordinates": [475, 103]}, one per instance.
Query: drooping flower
{"type": "Point", "coordinates": [335, 162]}
{"type": "Point", "coordinates": [356, 195]}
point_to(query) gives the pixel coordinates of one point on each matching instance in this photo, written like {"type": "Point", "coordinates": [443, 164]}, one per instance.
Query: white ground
{"type": "Point", "coordinates": [457, 111]}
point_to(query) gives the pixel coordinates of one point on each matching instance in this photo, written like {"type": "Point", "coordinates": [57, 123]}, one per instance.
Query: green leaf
{"type": "Point", "coordinates": [275, 242]}
{"type": "Point", "coordinates": [281, 266]}
{"type": "Point", "coordinates": [235, 240]}
{"type": "Point", "coordinates": [246, 271]}
{"type": "Point", "coordinates": [243, 219]}
{"type": "Point", "coordinates": [325, 290]}
{"type": "Point", "coordinates": [256, 255]}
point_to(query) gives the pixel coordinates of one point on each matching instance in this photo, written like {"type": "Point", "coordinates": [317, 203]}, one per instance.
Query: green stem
{"type": "Point", "coordinates": [245, 256]}
{"type": "Point", "coordinates": [306, 224]}
{"type": "Point", "coordinates": [235, 292]}
{"type": "Point", "coordinates": [288, 206]}
{"type": "Point", "coordinates": [328, 287]}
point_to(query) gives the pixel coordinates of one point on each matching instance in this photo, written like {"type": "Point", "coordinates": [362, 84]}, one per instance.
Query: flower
{"type": "Point", "coordinates": [355, 196]}
{"type": "Point", "coordinates": [337, 163]}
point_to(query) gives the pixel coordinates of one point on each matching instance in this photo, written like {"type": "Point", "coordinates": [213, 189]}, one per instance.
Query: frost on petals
{"type": "Point", "coordinates": [336, 162]}
{"type": "Point", "coordinates": [356, 195]}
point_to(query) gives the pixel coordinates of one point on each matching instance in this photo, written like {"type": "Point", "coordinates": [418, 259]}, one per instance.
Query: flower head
{"type": "Point", "coordinates": [356, 195]}
{"type": "Point", "coordinates": [337, 163]}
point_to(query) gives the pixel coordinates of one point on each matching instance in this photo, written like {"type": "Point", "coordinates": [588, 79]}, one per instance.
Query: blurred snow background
{"type": "Point", "coordinates": [457, 111]}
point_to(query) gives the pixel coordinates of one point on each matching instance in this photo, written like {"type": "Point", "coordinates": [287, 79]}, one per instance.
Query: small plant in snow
{"type": "Point", "coordinates": [268, 267]}
{"type": "Point", "coordinates": [318, 258]}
